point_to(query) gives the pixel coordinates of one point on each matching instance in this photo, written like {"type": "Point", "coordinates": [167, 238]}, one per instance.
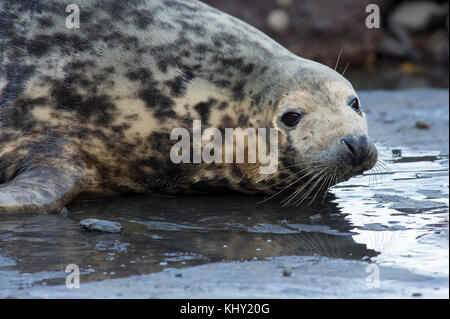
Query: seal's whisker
{"type": "Point", "coordinates": [310, 163]}
{"type": "Point", "coordinates": [310, 191]}
{"type": "Point", "coordinates": [283, 86]}
{"type": "Point", "coordinates": [289, 73]}
{"type": "Point", "coordinates": [322, 184]}
{"type": "Point", "coordinates": [374, 177]}
{"type": "Point", "coordinates": [282, 190]}
{"type": "Point", "coordinates": [332, 181]}
{"type": "Point", "coordinates": [288, 199]}
{"type": "Point", "coordinates": [286, 187]}
{"type": "Point", "coordinates": [282, 180]}
{"type": "Point", "coordinates": [337, 61]}
{"type": "Point", "coordinates": [291, 176]}
{"type": "Point", "coordinates": [327, 187]}
{"type": "Point", "coordinates": [383, 167]}
{"type": "Point", "coordinates": [312, 170]}
{"type": "Point", "coordinates": [299, 190]}
{"type": "Point", "coordinates": [379, 170]}
{"type": "Point", "coordinates": [382, 142]}
{"type": "Point", "coordinates": [343, 72]}
{"type": "Point", "coordinates": [302, 198]}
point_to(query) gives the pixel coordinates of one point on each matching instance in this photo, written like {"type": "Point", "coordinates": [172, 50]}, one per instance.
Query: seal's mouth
{"type": "Point", "coordinates": [312, 177]}
{"type": "Point", "coordinates": [306, 187]}
{"type": "Point", "coordinates": [338, 166]}
{"type": "Point", "coordinates": [350, 167]}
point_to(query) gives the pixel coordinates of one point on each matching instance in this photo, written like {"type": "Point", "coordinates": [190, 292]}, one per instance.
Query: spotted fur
{"type": "Point", "coordinates": [96, 105]}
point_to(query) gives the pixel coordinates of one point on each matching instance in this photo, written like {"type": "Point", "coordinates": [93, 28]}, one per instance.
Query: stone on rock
{"type": "Point", "coordinates": [278, 20]}
{"type": "Point", "coordinates": [287, 271]}
{"type": "Point", "coordinates": [414, 16]}
{"type": "Point", "coordinates": [100, 225]}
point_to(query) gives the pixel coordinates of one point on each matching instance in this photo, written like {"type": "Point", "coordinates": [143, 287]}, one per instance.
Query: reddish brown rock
{"type": "Point", "coordinates": [318, 29]}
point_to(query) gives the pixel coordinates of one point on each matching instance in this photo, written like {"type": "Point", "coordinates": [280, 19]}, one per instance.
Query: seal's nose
{"type": "Point", "coordinates": [358, 148]}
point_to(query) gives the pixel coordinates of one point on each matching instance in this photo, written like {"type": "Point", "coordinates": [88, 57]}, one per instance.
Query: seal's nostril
{"type": "Point", "coordinates": [349, 145]}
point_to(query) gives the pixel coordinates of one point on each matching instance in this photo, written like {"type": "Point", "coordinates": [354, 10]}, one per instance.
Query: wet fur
{"type": "Point", "coordinates": [100, 101]}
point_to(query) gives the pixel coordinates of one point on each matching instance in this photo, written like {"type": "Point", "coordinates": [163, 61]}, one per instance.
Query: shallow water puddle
{"type": "Point", "coordinates": [399, 219]}
{"type": "Point", "coordinates": [404, 217]}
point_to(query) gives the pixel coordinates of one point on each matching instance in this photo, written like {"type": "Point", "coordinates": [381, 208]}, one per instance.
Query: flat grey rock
{"type": "Point", "coordinates": [408, 204]}
{"type": "Point", "coordinates": [100, 225]}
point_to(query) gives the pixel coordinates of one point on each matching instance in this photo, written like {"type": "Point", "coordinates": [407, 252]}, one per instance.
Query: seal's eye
{"type": "Point", "coordinates": [291, 119]}
{"type": "Point", "coordinates": [353, 102]}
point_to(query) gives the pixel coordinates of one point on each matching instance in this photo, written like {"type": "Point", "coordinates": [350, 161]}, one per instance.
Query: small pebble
{"type": "Point", "coordinates": [287, 271]}
{"type": "Point", "coordinates": [278, 20]}
{"type": "Point", "coordinates": [422, 125]}
{"type": "Point", "coordinates": [417, 294]}
{"type": "Point", "coordinates": [100, 225]}
{"type": "Point", "coordinates": [62, 211]}
{"type": "Point", "coordinates": [397, 153]}
{"type": "Point", "coordinates": [179, 275]}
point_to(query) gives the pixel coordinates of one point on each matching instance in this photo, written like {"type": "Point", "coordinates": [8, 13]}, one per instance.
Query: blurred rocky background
{"type": "Point", "coordinates": [410, 49]}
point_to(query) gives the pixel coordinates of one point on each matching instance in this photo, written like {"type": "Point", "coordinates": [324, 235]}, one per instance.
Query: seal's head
{"type": "Point", "coordinates": [325, 128]}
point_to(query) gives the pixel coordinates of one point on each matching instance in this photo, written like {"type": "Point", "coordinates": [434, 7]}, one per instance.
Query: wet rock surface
{"type": "Point", "coordinates": [304, 26]}
{"type": "Point", "coordinates": [392, 117]}
{"type": "Point", "coordinates": [410, 49]}
{"type": "Point", "coordinates": [99, 225]}
{"type": "Point", "coordinates": [392, 222]}
{"type": "Point", "coordinates": [312, 277]}
{"type": "Point", "coordinates": [411, 30]}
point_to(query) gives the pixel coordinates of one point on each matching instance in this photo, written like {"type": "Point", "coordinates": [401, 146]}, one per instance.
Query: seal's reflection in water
{"type": "Point", "coordinates": [161, 232]}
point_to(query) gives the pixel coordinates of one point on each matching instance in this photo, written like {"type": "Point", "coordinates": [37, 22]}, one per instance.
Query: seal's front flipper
{"type": "Point", "coordinates": [42, 189]}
